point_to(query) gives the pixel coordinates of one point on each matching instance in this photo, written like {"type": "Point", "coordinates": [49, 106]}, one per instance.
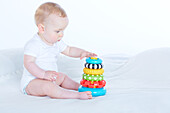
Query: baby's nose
{"type": "Point", "coordinates": [61, 34]}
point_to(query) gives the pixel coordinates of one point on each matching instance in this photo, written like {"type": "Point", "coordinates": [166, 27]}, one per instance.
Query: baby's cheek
{"type": "Point", "coordinates": [54, 36]}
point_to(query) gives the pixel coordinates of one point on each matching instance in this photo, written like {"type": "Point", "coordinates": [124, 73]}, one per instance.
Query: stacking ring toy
{"type": "Point", "coordinates": [91, 84]}
{"type": "Point", "coordinates": [93, 77]}
{"type": "Point", "coordinates": [93, 71]}
{"type": "Point", "coordinates": [92, 60]}
{"type": "Point", "coordinates": [95, 91]}
{"type": "Point", "coordinates": [93, 66]}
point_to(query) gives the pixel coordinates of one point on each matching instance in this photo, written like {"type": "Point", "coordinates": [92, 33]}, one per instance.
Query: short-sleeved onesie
{"type": "Point", "coordinates": [46, 57]}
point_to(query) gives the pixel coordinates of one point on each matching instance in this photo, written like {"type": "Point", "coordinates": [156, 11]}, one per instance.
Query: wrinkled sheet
{"type": "Point", "coordinates": [137, 84]}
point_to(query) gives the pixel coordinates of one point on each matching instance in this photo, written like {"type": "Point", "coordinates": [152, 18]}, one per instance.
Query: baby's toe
{"type": "Point", "coordinates": [90, 96]}
{"type": "Point", "coordinates": [88, 92]}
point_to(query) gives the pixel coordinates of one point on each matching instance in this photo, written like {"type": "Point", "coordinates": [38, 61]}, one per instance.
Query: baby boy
{"type": "Point", "coordinates": [41, 76]}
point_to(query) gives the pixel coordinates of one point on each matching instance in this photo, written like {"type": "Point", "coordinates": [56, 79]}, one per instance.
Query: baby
{"type": "Point", "coordinates": [41, 76]}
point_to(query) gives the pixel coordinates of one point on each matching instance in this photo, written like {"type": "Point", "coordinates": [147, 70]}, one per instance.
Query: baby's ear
{"type": "Point", "coordinates": [41, 28]}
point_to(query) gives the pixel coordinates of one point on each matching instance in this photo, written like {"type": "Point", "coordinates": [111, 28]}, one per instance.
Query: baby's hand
{"type": "Point", "coordinates": [87, 54]}
{"type": "Point", "coordinates": [51, 75]}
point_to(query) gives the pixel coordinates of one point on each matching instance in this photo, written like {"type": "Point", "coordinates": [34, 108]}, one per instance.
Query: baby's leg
{"type": "Point", "coordinates": [39, 87]}
{"type": "Point", "coordinates": [66, 82]}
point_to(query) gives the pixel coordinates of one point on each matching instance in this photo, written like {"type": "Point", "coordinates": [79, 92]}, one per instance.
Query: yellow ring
{"type": "Point", "coordinates": [94, 58]}
{"type": "Point", "coordinates": [93, 71]}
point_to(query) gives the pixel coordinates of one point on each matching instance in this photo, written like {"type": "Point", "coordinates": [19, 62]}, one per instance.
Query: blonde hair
{"type": "Point", "coordinates": [46, 9]}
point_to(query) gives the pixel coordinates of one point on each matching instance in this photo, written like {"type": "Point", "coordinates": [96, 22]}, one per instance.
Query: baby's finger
{"type": "Point", "coordinates": [50, 79]}
{"type": "Point", "coordinates": [55, 73]}
{"type": "Point", "coordinates": [94, 54]}
{"type": "Point", "coordinates": [89, 55]}
{"type": "Point", "coordinates": [82, 57]}
{"type": "Point", "coordinates": [54, 77]}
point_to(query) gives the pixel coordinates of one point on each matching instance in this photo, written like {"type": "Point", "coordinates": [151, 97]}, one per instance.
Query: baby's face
{"type": "Point", "coordinates": [54, 27]}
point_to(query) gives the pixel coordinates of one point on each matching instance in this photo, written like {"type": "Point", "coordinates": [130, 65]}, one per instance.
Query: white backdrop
{"type": "Point", "coordinates": [101, 26]}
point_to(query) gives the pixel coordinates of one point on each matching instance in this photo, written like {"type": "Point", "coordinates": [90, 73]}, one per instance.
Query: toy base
{"type": "Point", "coordinates": [95, 91]}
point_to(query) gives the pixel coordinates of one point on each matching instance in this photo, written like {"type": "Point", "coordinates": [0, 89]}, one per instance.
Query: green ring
{"type": "Point", "coordinates": [93, 77]}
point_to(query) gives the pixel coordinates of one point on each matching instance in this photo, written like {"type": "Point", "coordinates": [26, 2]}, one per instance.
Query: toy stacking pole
{"type": "Point", "coordinates": [93, 79]}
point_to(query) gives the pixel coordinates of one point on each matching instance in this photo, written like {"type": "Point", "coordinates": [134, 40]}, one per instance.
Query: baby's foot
{"type": "Point", "coordinates": [85, 95]}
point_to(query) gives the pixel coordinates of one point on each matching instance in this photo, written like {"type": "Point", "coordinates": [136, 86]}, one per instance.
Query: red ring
{"type": "Point", "coordinates": [94, 84]}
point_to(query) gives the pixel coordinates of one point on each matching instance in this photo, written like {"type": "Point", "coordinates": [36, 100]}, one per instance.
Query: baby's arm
{"type": "Point", "coordinates": [29, 63]}
{"type": "Point", "coordinates": [77, 52]}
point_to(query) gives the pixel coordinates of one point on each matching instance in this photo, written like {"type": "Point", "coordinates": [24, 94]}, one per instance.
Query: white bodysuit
{"type": "Point", "coordinates": [46, 57]}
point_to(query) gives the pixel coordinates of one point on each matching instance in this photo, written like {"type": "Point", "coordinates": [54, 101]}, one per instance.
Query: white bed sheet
{"type": "Point", "coordinates": [140, 84]}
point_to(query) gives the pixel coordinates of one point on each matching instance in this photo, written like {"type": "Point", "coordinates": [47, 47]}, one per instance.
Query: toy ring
{"type": "Point", "coordinates": [95, 91]}
{"type": "Point", "coordinates": [93, 77]}
{"type": "Point", "coordinates": [91, 84]}
{"type": "Point", "coordinates": [93, 66]}
{"type": "Point", "coordinates": [93, 71]}
{"type": "Point", "coordinates": [92, 60]}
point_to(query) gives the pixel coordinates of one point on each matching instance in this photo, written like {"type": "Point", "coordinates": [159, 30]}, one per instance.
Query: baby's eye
{"type": "Point", "coordinates": [57, 31]}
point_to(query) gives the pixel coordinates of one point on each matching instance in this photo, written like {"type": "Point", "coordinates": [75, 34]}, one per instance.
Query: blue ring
{"type": "Point", "coordinates": [95, 91]}
{"type": "Point", "coordinates": [93, 61]}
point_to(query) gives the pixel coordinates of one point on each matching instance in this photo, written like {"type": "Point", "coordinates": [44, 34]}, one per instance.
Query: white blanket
{"type": "Point", "coordinates": [139, 84]}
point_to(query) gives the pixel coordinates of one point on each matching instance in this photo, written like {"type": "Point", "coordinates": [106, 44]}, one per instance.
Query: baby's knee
{"type": "Point", "coordinates": [62, 77]}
